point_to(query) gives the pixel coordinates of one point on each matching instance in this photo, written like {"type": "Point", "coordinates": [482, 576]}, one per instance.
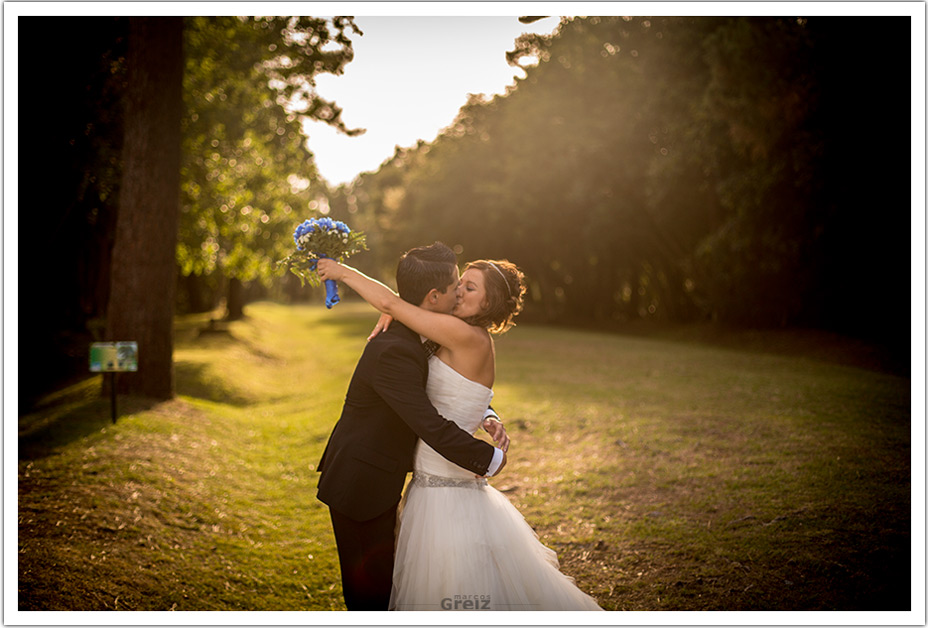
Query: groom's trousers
{"type": "Point", "coordinates": [365, 552]}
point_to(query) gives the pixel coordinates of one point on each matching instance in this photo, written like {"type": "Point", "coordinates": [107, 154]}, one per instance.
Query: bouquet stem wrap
{"type": "Point", "coordinates": [317, 238]}
{"type": "Point", "coordinates": [331, 292]}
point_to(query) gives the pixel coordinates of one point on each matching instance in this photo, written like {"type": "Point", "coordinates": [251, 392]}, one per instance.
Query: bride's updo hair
{"type": "Point", "coordinates": [505, 288]}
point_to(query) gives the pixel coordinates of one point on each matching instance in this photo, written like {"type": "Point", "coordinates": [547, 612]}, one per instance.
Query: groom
{"type": "Point", "coordinates": [364, 465]}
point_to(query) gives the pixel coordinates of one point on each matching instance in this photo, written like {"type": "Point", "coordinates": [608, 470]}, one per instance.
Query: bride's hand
{"type": "Point", "coordinates": [497, 432]}
{"type": "Point", "coordinates": [382, 325]}
{"type": "Point", "coordinates": [329, 269]}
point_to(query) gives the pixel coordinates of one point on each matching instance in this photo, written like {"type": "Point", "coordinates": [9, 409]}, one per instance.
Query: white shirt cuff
{"type": "Point", "coordinates": [489, 414]}
{"type": "Point", "coordinates": [496, 462]}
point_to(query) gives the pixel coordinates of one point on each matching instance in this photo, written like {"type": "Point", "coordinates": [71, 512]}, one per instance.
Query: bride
{"type": "Point", "coordinates": [461, 544]}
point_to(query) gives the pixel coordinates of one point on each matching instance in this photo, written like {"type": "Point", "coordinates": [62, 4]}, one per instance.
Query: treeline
{"type": "Point", "coordinates": [752, 171]}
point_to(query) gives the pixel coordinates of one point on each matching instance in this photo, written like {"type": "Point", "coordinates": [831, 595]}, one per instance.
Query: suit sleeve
{"type": "Point", "coordinates": [399, 380]}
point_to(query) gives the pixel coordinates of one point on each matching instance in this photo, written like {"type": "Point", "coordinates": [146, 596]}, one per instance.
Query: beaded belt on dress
{"type": "Point", "coordinates": [420, 478]}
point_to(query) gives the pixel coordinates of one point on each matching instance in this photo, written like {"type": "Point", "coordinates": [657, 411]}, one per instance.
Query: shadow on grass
{"type": "Point", "coordinates": [201, 380]}
{"type": "Point", "coordinates": [76, 413]}
{"type": "Point", "coordinates": [195, 379]}
{"type": "Point", "coordinates": [889, 355]}
{"type": "Point", "coordinates": [218, 336]}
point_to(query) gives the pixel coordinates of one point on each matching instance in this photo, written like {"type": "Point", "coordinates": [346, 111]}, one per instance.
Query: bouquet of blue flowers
{"type": "Point", "coordinates": [317, 238]}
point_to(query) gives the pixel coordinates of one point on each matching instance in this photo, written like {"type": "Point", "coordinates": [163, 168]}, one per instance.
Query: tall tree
{"type": "Point", "coordinates": [247, 174]}
{"type": "Point", "coordinates": [141, 305]}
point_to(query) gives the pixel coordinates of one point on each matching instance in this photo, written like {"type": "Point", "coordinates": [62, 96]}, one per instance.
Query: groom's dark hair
{"type": "Point", "coordinates": [423, 268]}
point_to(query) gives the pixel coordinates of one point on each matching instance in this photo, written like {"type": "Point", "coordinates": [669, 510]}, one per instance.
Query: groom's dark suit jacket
{"type": "Point", "coordinates": [364, 465]}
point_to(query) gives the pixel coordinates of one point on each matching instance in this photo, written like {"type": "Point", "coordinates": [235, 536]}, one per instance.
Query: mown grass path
{"type": "Point", "coordinates": [667, 475]}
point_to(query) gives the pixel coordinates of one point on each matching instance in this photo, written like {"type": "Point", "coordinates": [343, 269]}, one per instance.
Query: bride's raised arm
{"type": "Point", "coordinates": [445, 329]}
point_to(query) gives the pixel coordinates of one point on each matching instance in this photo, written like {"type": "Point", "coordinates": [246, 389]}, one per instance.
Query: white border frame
{"type": "Point", "coordinates": [13, 10]}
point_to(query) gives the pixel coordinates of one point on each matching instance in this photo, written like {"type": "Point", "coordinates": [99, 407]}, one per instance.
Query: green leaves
{"type": "Point", "coordinates": [321, 238]}
{"type": "Point", "coordinates": [667, 168]}
{"type": "Point", "coordinates": [248, 86]}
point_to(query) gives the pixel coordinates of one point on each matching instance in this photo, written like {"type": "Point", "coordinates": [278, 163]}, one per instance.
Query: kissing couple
{"type": "Point", "coordinates": [419, 392]}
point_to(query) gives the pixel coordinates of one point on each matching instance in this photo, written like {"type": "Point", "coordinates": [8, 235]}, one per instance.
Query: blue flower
{"type": "Point", "coordinates": [305, 227]}
{"type": "Point", "coordinates": [302, 229]}
{"type": "Point", "coordinates": [322, 237]}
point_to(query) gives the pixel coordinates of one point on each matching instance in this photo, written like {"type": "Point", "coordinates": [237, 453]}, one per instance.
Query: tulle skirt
{"type": "Point", "coordinates": [465, 547]}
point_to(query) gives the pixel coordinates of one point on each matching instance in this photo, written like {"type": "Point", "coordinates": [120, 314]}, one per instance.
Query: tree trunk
{"type": "Point", "coordinates": [634, 280]}
{"type": "Point", "coordinates": [143, 276]}
{"type": "Point", "coordinates": [235, 303]}
{"type": "Point", "coordinates": [193, 289]}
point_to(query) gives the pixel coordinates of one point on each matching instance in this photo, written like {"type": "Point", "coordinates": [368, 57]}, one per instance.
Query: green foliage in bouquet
{"type": "Point", "coordinates": [317, 238]}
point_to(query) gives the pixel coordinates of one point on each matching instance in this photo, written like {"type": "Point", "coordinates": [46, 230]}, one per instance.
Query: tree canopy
{"type": "Point", "coordinates": [747, 170]}
{"type": "Point", "coordinates": [247, 174]}
{"type": "Point", "coordinates": [247, 85]}
{"type": "Point", "coordinates": [676, 169]}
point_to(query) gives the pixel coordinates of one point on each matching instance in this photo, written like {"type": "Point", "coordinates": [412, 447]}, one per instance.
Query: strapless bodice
{"type": "Point", "coordinates": [457, 399]}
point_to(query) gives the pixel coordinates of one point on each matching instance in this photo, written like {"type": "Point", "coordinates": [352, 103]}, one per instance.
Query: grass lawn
{"type": "Point", "coordinates": [667, 475]}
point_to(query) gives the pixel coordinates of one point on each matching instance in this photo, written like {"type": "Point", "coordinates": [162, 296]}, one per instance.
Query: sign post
{"type": "Point", "coordinates": [112, 358]}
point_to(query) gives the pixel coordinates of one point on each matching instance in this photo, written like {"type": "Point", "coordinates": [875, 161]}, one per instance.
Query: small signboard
{"type": "Point", "coordinates": [114, 357]}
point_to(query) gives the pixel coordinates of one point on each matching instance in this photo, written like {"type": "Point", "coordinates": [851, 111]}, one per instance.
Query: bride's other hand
{"type": "Point", "coordinates": [383, 324]}
{"type": "Point", "coordinates": [329, 269]}
{"type": "Point", "coordinates": [501, 465]}
{"type": "Point", "coordinates": [497, 432]}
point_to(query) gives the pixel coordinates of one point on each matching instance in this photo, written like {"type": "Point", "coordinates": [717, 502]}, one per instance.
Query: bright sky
{"type": "Point", "coordinates": [409, 77]}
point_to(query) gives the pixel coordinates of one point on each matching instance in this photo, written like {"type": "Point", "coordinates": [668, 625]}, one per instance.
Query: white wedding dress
{"type": "Point", "coordinates": [461, 544]}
